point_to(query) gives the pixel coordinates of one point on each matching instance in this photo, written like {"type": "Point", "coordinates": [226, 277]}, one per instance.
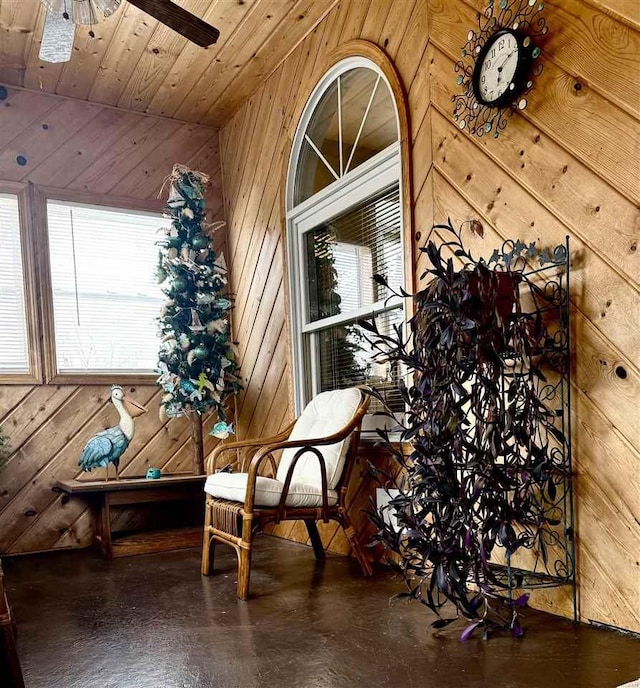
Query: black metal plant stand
{"type": "Point", "coordinates": [550, 560]}
{"type": "Point", "coordinates": [484, 499]}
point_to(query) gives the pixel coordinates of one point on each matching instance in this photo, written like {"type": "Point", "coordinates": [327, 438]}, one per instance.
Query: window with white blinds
{"type": "Point", "coordinates": [342, 257]}
{"type": "Point", "coordinates": [14, 350]}
{"type": "Point", "coordinates": [344, 227]}
{"type": "Point", "coordinates": [106, 299]}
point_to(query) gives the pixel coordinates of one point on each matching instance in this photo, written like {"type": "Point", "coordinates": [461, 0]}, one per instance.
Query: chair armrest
{"type": "Point", "coordinates": [304, 446]}
{"type": "Point", "coordinates": [323, 482]}
{"type": "Point", "coordinates": [244, 444]}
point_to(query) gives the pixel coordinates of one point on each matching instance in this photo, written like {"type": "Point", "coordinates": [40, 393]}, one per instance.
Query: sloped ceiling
{"type": "Point", "coordinates": [136, 63]}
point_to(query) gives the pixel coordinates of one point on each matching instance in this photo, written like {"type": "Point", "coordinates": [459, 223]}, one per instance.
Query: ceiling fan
{"type": "Point", "coordinates": [64, 15]}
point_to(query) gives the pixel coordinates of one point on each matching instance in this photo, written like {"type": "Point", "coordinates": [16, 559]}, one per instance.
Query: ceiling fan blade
{"type": "Point", "coordinates": [175, 17]}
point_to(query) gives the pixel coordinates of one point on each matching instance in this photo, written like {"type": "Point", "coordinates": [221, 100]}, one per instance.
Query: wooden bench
{"type": "Point", "coordinates": [101, 495]}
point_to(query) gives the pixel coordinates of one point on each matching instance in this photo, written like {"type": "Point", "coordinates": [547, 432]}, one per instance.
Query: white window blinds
{"type": "Point", "coordinates": [342, 256]}
{"type": "Point", "coordinates": [14, 355]}
{"type": "Point", "coordinates": [345, 253]}
{"type": "Point", "coordinates": [106, 299]}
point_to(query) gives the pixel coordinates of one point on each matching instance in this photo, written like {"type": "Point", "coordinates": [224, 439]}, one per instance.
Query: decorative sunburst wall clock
{"type": "Point", "coordinates": [498, 65]}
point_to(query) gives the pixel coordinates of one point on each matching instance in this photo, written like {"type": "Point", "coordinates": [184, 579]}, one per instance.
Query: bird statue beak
{"type": "Point", "coordinates": [135, 409]}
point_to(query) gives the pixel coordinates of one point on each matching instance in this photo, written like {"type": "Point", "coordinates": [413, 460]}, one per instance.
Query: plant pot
{"type": "Point", "coordinates": [495, 293]}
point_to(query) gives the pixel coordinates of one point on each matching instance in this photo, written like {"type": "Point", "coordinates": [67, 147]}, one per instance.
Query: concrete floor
{"type": "Point", "coordinates": [153, 621]}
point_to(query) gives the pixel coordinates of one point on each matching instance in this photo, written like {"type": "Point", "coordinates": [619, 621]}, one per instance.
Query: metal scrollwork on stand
{"type": "Point", "coordinates": [541, 362]}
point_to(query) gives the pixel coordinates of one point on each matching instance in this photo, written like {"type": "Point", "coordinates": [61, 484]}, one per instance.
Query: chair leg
{"type": "Point", "coordinates": [316, 541]}
{"type": "Point", "coordinates": [350, 532]}
{"type": "Point", "coordinates": [244, 558]}
{"type": "Point", "coordinates": [208, 543]}
{"type": "Point", "coordinates": [244, 572]}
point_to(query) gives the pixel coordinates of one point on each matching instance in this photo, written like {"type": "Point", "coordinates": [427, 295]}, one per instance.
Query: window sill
{"type": "Point", "coordinates": [124, 379]}
{"type": "Point", "coordinates": [19, 379]}
{"type": "Point", "coordinates": [371, 438]}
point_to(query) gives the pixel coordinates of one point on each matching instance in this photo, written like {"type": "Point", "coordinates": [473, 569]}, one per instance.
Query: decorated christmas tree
{"type": "Point", "coordinates": [197, 366]}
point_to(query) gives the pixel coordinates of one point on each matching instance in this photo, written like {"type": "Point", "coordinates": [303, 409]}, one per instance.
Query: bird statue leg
{"type": "Point", "coordinates": [117, 473]}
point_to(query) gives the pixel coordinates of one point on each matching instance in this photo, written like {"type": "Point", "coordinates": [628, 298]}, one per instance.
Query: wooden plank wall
{"type": "Point", "coordinates": [567, 165]}
{"type": "Point", "coordinates": [123, 156]}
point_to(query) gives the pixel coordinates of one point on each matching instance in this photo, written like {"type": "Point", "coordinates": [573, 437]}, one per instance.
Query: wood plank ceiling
{"type": "Point", "coordinates": [136, 63]}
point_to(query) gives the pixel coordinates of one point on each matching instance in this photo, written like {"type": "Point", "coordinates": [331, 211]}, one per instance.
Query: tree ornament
{"type": "Point", "coordinates": [196, 325]}
{"type": "Point", "coordinates": [204, 298]}
{"type": "Point", "coordinates": [223, 304]}
{"type": "Point", "coordinates": [221, 430]}
{"type": "Point", "coordinates": [179, 284]}
{"type": "Point", "coordinates": [201, 352]}
{"type": "Point", "coordinates": [204, 382]}
{"type": "Point", "coordinates": [188, 255]}
{"type": "Point", "coordinates": [175, 199]}
{"type": "Point", "coordinates": [187, 386]}
{"type": "Point", "coordinates": [170, 343]}
{"type": "Point", "coordinates": [175, 410]}
{"type": "Point", "coordinates": [220, 325]}
{"type": "Point", "coordinates": [200, 241]}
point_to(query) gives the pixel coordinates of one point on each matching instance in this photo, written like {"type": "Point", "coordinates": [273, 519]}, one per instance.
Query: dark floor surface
{"type": "Point", "coordinates": [153, 622]}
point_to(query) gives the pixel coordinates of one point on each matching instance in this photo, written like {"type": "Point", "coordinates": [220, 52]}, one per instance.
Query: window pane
{"type": "Point", "coordinates": [368, 116]}
{"type": "Point", "coordinates": [345, 253]}
{"type": "Point", "coordinates": [14, 356]}
{"type": "Point", "coordinates": [106, 299]}
{"type": "Point", "coordinates": [314, 173]}
{"type": "Point", "coordinates": [367, 119]}
{"type": "Point", "coordinates": [345, 358]}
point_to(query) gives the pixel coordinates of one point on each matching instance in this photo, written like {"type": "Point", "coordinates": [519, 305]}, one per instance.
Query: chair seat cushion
{"type": "Point", "coordinates": [233, 486]}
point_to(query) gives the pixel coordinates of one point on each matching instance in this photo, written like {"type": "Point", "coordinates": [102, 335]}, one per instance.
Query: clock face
{"type": "Point", "coordinates": [498, 67]}
{"type": "Point", "coordinates": [501, 68]}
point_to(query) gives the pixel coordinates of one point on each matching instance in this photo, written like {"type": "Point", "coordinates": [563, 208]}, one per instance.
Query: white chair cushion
{"type": "Point", "coordinates": [233, 486]}
{"type": "Point", "coordinates": [324, 415]}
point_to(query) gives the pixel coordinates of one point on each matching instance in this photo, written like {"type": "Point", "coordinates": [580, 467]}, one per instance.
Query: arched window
{"type": "Point", "coordinates": [344, 225]}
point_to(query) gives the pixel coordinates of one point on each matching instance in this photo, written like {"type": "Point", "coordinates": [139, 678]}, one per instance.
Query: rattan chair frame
{"type": "Point", "coordinates": [235, 523]}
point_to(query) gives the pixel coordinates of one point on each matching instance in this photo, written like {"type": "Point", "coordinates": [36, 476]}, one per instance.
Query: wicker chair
{"type": "Point", "coordinates": [311, 481]}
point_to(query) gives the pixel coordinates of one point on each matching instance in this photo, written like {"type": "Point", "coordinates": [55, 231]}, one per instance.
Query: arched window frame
{"type": "Point", "coordinates": [387, 167]}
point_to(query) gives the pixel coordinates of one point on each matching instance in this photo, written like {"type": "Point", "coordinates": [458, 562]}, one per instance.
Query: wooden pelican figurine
{"type": "Point", "coordinates": [109, 445]}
